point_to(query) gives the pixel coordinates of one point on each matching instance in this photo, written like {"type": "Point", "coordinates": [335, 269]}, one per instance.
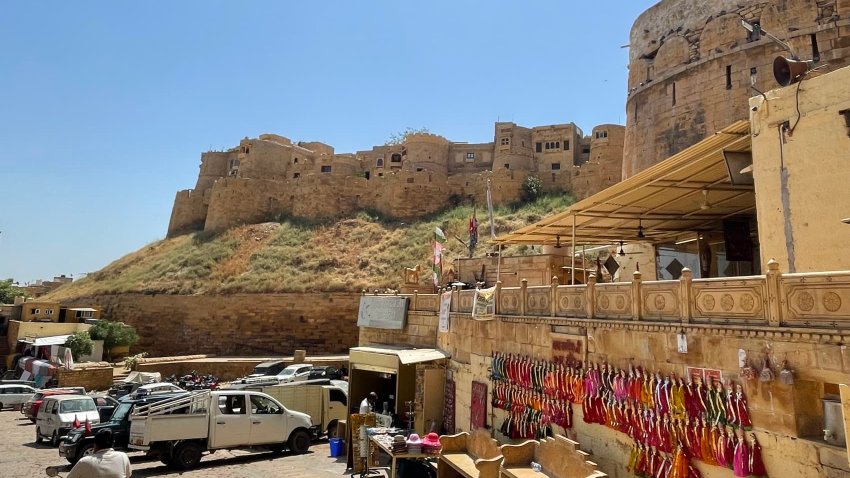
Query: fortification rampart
{"type": "Point", "coordinates": [692, 65]}
{"type": "Point", "coordinates": [237, 325]}
{"type": "Point", "coordinates": [269, 177]}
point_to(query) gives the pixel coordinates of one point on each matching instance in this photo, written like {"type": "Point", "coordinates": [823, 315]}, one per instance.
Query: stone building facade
{"type": "Point", "coordinates": [692, 65]}
{"type": "Point", "coordinates": [270, 176]}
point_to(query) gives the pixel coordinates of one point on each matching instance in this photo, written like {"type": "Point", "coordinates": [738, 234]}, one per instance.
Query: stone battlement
{"type": "Point", "coordinates": [268, 177]}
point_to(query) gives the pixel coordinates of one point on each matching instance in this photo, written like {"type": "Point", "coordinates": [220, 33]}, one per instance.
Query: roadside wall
{"type": "Point", "coordinates": [237, 325]}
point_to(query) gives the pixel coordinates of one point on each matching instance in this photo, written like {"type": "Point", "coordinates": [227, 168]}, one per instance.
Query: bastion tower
{"type": "Point", "coordinates": [693, 65]}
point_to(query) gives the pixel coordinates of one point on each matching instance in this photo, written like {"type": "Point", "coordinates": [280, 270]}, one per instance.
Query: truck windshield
{"type": "Point", "coordinates": [77, 405]}
{"type": "Point", "coordinates": [287, 372]}
{"type": "Point", "coordinates": [121, 412]}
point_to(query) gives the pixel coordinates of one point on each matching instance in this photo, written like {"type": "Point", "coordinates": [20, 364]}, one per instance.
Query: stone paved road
{"type": "Point", "coordinates": [21, 458]}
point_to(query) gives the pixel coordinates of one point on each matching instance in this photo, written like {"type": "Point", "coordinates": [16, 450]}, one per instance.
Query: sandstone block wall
{"type": "Point", "coordinates": [691, 65]}
{"type": "Point", "coordinates": [237, 325]}
{"type": "Point", "coordinates": [92, 378]}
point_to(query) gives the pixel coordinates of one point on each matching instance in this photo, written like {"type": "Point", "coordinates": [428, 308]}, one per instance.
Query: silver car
{"type": "Point", "coordinates": [15, 395]}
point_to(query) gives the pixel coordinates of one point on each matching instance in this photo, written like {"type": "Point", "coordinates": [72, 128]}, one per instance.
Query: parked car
{"type": "Point", "coordinates": [294, 373]}
{"type": "Point", "coordinates": [180, 430]}
{"type": "Point", "coordinates": [77, 443]}
{"type": "Point", "coordinates": [31, 407]}
{"type": "Point", "coordinates": [58, 413]}
{"type": "Point", "coordinates": [268, 369]}
{"type": "Point", "coordinates": [324, 372]}
{"type": "Point", "coordinates": [105, 407]}
{"type": "Point", "coordinates": [14, 395]}
{"type": "Point", "coordinates": [15, 381]}
{"type": "Point", "coordinates": [156, 388]}
{"type": "Point", "coordinates": [133, 381]}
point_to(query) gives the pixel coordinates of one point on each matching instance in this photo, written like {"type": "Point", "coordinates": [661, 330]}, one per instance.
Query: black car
{"type": "Point", "coordinates": [324, 372]}
{"type": "Point", "coordinates": [78, 443]}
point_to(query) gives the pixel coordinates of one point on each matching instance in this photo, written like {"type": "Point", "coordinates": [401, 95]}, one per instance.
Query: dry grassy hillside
{"type": "Point", "coordinates": [292, 256]}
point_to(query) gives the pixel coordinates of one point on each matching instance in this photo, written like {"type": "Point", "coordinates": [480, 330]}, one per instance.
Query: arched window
{"type": "Point", "coordinates": [395, 158]}
{"type": "Point", "coordinates": [380, 163]}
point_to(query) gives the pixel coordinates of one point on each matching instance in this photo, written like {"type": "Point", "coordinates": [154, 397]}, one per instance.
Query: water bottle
{"type": "Point", "coordinates": [536, 467]}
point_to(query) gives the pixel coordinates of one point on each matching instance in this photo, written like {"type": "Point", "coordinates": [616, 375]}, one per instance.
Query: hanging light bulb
{"type": "Point", "coordinates": [621, 252]}
{"type": "Point", "coordinates": [640, 233]}
{"type": "Point", "coordinates": [557, 242]}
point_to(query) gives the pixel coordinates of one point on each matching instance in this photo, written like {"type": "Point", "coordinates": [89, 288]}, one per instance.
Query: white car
{"type": "Point", "coordinates": [12, 395]}
{"type": "Point", "coordinates": [294, 373]}
{"type": "Point", "coordinates": [57, 415]}
{"type": "Point", "coordinates": [156, 388]}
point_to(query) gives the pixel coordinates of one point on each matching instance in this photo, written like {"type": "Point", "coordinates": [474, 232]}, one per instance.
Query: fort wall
{"type": "Point", "coordinates": [237, 325]}
{"type": "Point", "coordinates": [692, 65]}
{"type": "Point", "coordinates": [265, 178]}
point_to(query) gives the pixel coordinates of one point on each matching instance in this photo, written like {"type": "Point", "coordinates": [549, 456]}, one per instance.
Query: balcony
{"type": "Point", "coordinates": [803, 300]}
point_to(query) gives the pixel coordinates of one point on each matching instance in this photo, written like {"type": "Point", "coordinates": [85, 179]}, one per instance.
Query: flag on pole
{"type": "Point", "coordinates": [490, 211]}
{"type": "Point", "coordinates": [88, 427]}
{"type": "Point", "coordinates": [439, 242]}
{"type": "Point", "coordinates": [76, 422]}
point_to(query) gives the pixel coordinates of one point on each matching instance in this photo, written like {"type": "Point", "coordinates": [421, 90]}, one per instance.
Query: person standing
{"type": "Point", "coordinates": [104, 462]}
{"type": "Point", "coordinates": [368, 403]}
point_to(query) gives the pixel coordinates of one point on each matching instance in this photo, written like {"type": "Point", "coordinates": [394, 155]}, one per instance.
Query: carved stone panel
{"type": "Point", "coordinates": [815, 298]}
{"type": "Point", "coordinates": [538, 300]}
{"type": "Point", "coordinates": [428, 302]}
{"type": "Point", "coordinates": [466, 297]}
{"type": "Point", "coordinates": [613, 301]}
{"type": "Point", "coordinates": [727, 300]}
{"type": "Point", "coordinates": [570, 301]}
{"type": "Point", "coordinates": [660, 300]}
{"type": "Point", "coordinates": [509, 301]}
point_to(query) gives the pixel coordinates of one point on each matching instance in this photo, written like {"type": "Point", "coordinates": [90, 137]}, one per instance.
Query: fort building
{"type": "Point", "coordinates": [270, 176]}
{"type": "Point", "coordinates": [693, 66]}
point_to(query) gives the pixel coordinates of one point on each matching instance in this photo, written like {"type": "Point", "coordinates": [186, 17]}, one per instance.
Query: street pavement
{"type": "Point", "coordinates": [20, 457]}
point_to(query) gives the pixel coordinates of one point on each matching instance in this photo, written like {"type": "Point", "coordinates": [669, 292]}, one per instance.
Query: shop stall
{"type": "Point", "coordinates": [409, 383]}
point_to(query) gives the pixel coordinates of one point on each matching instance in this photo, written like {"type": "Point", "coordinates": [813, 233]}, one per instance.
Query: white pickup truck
{"type": "Point", "coordinates": [181, 429]}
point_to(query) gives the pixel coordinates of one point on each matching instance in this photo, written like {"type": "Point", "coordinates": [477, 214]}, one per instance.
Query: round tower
{"type": "Point", "coordinates": [692, 65]}
{"type": "Point", "coordinates": [426, 152]}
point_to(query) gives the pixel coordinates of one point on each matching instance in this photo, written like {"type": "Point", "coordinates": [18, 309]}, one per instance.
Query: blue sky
{"type": "Point", "coordinates": [107, 106]}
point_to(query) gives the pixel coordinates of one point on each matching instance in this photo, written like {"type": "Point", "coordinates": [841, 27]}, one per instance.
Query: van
{"type": "Point", "coordinates": [57, 415]}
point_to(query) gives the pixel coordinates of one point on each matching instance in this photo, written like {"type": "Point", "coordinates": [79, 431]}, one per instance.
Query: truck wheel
{"type": "Point", "coordinates": [54, 440]}
{"type": "Point", "coordinates": [186, 456]}
{"type": "Point", "coordinates": [299, 442]}
{"type": "Point", "coordinates": [38, 438]}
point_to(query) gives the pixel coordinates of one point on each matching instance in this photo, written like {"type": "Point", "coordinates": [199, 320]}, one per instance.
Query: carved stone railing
{"type": "Point", "coordinates": [774, 299]}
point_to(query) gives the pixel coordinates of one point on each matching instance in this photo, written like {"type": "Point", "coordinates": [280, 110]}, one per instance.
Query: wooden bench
{"type": "Point", "coordinates": [558, 456]}
{"type": "Point", "coordinates": [470, 455]}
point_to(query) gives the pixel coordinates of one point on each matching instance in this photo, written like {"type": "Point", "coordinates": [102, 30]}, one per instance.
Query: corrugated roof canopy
{"type": "Point", "coordinates": [51, 340]}
{"type": "Point", "coordinates": [690, 191]}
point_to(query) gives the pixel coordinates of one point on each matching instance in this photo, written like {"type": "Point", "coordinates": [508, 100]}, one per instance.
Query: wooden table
{"type": "Point", "coordinates": [395, 456]}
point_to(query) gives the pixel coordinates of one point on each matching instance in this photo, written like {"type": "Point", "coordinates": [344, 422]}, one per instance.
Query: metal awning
{"type": "Point", "coordinates": [688, 192]}
{"type": "Point", "coordinates": [51, 340]}
{"type": "Point", "coordinates": [83, 309]}
{"type": "Point", "coordinates": [405, 355]}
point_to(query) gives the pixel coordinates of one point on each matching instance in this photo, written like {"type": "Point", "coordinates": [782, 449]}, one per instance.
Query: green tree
{"type": "Point", "coordinates": [113, 334]}
{"type": "Point", "coordinates": [80, 344]}
{"type": "Point", "coordinates": [532, 188]}
{"type": "Point", "coordinates": [8, 292]}
{"type": "Point", "coordinates": [400, 137]}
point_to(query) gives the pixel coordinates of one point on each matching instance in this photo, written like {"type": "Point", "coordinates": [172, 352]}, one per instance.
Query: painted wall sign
{"type": "Point", "coordinates": [569, 349]}
{"type": "Point", "coordinates": [445, 311]}
{"type": "Point", "coordinates": [381, 312]}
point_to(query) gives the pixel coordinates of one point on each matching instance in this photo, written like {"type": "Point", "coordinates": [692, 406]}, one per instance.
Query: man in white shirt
{"type": "Point", "coordinates": [104, 462]}
{"type": "Point", "coordinates": [368, 403]}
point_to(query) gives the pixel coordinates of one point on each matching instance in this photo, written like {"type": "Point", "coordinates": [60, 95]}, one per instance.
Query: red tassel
{"type": "Point", "coordinates": [88, 427]}
{"type": "Point", "coordinates": [76, 422]}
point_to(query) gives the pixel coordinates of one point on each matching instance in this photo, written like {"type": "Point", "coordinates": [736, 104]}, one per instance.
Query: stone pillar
{"type": "Point", "coordinates": [455, 299]}
{"type": "Point", "coordinates": [774, 294]}
{"type": "Point", "coordinates": [414, 303]}
{"type": "Point", "coordinates": [685, 283]}
{"type": "Point", "coordinates": [523, 297]}
{"type": "Point", "coordinates": [553, 297]}
{"type": "Point", "coordinates": [636, 302]}
{"type": "Point", "coordinates": [589, 299]}
{"type": "Point", "coordinates": [497, 297]}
